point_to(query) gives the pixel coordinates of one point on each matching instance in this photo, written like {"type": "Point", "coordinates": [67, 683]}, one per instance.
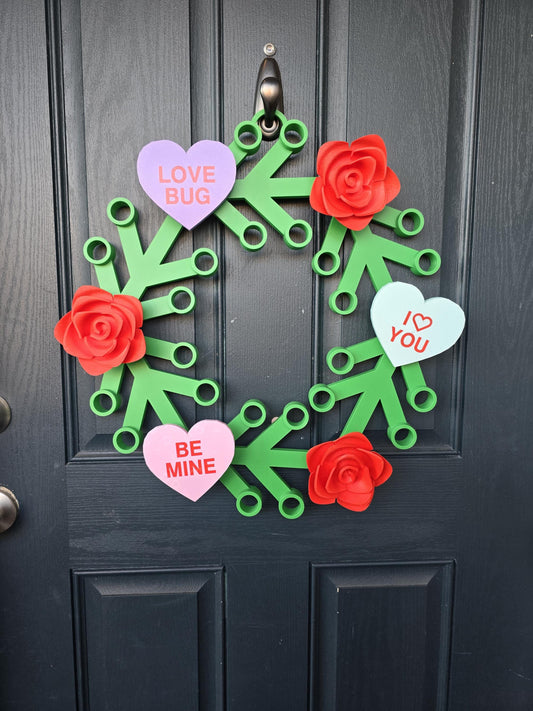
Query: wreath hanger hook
{"type": "Point", "coordinates": [269, 94]}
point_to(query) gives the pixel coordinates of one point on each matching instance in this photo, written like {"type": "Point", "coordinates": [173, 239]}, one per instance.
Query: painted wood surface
{"type": "Point", "coordinates": [446, 541]}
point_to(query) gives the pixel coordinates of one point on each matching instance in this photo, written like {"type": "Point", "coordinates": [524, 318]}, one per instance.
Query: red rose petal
{"type": "Point", "coordinates": [314, 455]}
{"type": "Point", "coordinates": [127, 317]}
{"type": "Point", "coordinates": [355, 502]}
{"type": "Point", "coordinates": [355, 223]}
{"type": "Point", "coordinates": [328, 153]}
{"type": "Point", "coordinates": [91, 291]}
{"type": "Point", "coordinates": [90, 299]}
{"type": "Point", "coordinates": [373, 461]}
{"type": "Point", "coordinates": [319, 499]}
{"type": "Point", "coordinates": [118, 355]}
{"type": "Point", "coordinates": [372, 145]}
{"type": "Point", "coordinates": [361, 201]}
{"type": "Point", "coordinates": [101, 329]}
{"type": "Point", "coordinates": [377, 200]}
{"type": "Point", "coordinates": [84, 323]}
{"type": "Point", "coordinates": [392, 185]}
{"type": "Point", "coordinates": [315, 198]}
{"type": "Point", "coordinates": [343, 177]}
{"type": "Point", "coordinates": [337, 169]}
{"type": "Point", "coordinates": [357, 439]}
{"type": "Point", "coordinates": [345, 453]}
{"type": "Point", "coordinates": [334, 205]}
{"type": "Point", "coordinates": [73, 344]}
{"type": "Point", "coordinates": [133, 305]}
{"type": "Point", "coordinates": [353, 183]}
{"type": "Point", "coordinates": [92, 308]}
{"type": "Point", "coordinates": [137, 348]}
{"type": "Point", "coordinates": [93, 366]}
{"type": "Point", "coordinates": [61, 327]}
{"type": "Point", "coordinates": [319, 481]}
{"type": "Point", "coordinates": [336, 453]}
{"type": "Point", "coordinates": [380, 159]}
{"type": "Point", "coordinates": [362, 483]}
{"type": "Point", "coordinates": [366, 164]}
{"type": "Point", "coordinates": [333, 484]}
{"type": "Point", "coordinates": [386, 472]}
{"type": "Point", "coordinates": [98, 348]}
{"type": "Point", "coordinates": [319, 496]}
{"type": "Point", "coordinates": [369, 142]}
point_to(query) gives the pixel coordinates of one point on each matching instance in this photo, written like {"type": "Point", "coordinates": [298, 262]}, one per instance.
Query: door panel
{"type": "Point", "coordinates": [109, 114]}
{"type": "Point", "coordinates": [267, 608]}
{"type": "Point", "coordinates": [36, 659]}
{"type": "Point", "coordinates": [494, 626]}
{"type": "Point", "coordinates": [422, 601]}
{"type": "Point", "coordinates": [381, 635]}
{"type": "Point", "coordinates": [161, 627]}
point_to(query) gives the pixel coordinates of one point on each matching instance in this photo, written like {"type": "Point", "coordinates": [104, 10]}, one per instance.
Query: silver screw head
{"type": "Point", "coordinates": [269, 49]}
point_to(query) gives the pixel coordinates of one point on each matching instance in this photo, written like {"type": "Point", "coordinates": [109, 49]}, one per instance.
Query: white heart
{"type": "Point", "coordinates": [410, 328]}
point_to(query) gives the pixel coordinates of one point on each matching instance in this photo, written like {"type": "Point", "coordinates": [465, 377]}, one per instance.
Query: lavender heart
{"type": "Point", "coordinates": [187, 185]}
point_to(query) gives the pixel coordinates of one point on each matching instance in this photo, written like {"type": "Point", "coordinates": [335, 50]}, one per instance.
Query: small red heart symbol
{"type": "Point", "coordinates": [422, 322]}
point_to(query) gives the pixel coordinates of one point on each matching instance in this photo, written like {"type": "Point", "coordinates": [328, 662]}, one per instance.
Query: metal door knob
{"type": "Point", "coordinates": [9, 508]}
{"type": "Point", "coordinates": [5, 414]}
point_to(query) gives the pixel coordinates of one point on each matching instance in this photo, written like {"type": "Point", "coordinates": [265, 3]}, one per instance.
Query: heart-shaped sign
{"type": "Point", "coordinates": [187, 185]}
{"type": "Point", "coordinates": [412, 329]}
{"type": "Point", "coordinates": [189, 462]}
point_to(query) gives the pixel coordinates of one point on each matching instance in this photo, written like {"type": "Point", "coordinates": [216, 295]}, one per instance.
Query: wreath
{"type": "Point", "coordinates": [104, 329]}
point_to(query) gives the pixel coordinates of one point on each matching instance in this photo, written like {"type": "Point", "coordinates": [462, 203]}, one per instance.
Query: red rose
{"type": "Point", "coordinates": [347, 471]}
{"type": "Point", "coordinates": [102, 330]}
{"type": "Point", "coordinates": [354, 182]}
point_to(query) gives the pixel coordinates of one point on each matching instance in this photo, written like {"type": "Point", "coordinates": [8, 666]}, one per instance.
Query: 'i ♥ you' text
{"type": "Point", "coordinates": [409, 328]}
{"type": "Point", "coordinates": [412, 340]}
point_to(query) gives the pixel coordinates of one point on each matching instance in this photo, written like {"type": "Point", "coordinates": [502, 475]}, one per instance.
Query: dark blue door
{"type": "Point", "coordinates": [117, 593]}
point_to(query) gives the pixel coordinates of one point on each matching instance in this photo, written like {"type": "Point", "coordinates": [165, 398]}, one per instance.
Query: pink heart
{"type": "Point", "coordinates": [189, 462]}
{"type": "Point", "coordinates": [187, 185]}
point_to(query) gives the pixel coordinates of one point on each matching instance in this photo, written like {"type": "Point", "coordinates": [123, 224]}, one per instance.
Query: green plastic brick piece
{"type": "Point", "coordinates": [148, 268]}
{"type": "Point", "coordinates": [374, 387]}
{"type": "Point", "coordinates": [180, 300]}
{"type": "Point", "coordinates": [390, 217]}
{"type": "Point", "coordinates": [262, 191]}
{"type": "Point", "coordinates": [181, 355]}
{"type": "Point", "coordinates": [261, 457]}
{"type": "Point", "coordinates": [150, 387]}
{"type": "Point", "coordinates": [101, 255]}
{"type": "Point", "coordinates": [107, 400]}
{"type": "Point", "coordinates": [369, 253]}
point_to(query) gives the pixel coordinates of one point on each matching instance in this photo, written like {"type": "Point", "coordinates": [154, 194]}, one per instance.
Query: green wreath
{"type": "Point", "coordinates": [367, 184]}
